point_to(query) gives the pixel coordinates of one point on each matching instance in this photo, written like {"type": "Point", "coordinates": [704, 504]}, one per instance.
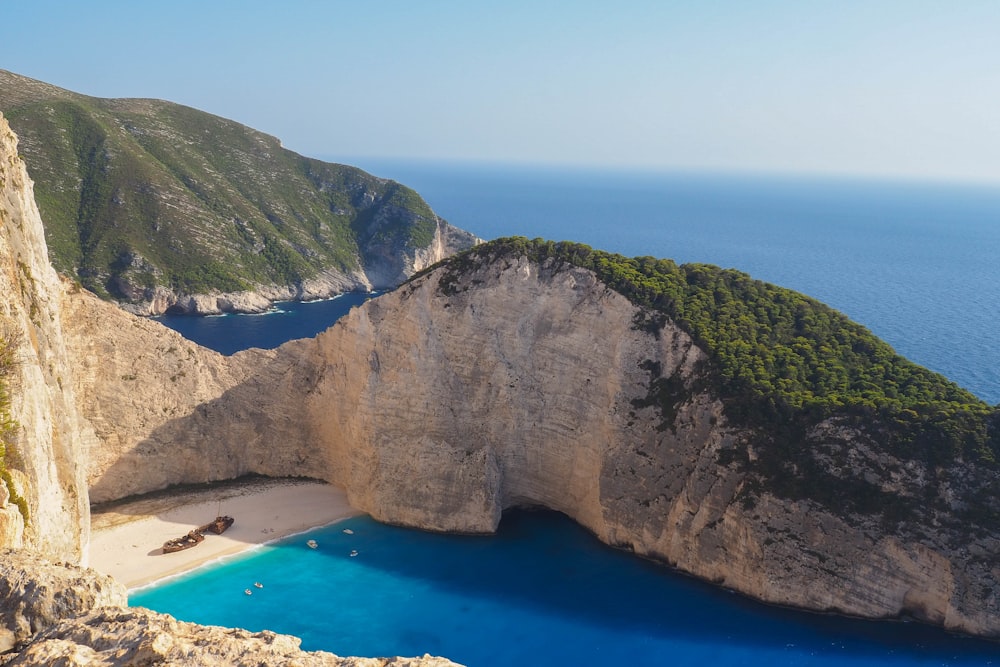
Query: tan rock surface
{"type": "Point", "coordinates": [521, 385]}
{"type": "Point", "coordinates": [46, 448]}
{"type": "Point", "coordinates": [438, 406]}
{"type": "Point", "coordinates": [60, 614]}
{"type": "Point", "coordinates": [36, 594]}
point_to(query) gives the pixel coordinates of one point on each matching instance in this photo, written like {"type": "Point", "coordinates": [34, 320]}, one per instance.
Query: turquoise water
{"type": "Point", "coordinates": [541, 592]}
{"type": "Point", "coordinates": [916, 264]}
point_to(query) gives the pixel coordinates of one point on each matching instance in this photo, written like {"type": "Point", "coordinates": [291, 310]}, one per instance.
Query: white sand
{"type": "Point", "coordinates": [126, 541]}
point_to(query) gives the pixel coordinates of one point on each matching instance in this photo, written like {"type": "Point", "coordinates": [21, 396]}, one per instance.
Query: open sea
{"type": "Point", "coordinates": [918, 264]}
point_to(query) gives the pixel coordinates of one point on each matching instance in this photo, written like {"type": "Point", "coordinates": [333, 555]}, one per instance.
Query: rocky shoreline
{"type": "Point", "coordinates": [379, 275]}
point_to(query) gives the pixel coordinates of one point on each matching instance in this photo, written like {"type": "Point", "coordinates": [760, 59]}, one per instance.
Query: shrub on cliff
{"type": "Point", "coordinates": [779, 357]}
{"type": "Point", "coordinates": [9, 342]}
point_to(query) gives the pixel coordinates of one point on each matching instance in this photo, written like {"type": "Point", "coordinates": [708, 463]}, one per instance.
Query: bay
{"type": "Point", "coordinates": [541, 592]}
{"type": "Point", "coordinates": [916, 263]}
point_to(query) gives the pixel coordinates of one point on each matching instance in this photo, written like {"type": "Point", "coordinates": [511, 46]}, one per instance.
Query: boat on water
{"type": "Point", "coordinates": [218, 526]}
{"type": "Point", "coordinates": [193, 538]}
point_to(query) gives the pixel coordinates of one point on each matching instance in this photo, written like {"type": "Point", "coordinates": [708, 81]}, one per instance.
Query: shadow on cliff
{"type": "Point", "coordinates": [257, 427]}
{"type": "Point", "coordinates": [545, 563]}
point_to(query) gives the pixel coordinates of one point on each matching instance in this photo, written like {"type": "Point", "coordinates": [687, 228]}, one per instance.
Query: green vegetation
{"type": "Point", "coordinates": [142, 193]}
{"type": "Point", "coordinates": [782, 363]}
{"type": "Point", "coordinates": [9, 341]}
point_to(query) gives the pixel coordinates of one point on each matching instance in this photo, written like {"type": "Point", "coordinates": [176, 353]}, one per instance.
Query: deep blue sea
{"type": "Point", "coordinates": [288, 320]}
{"type": "Point", "coordinates": [916, 263]}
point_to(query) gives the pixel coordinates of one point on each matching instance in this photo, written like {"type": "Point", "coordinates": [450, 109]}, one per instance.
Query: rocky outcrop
{"type": "Point", "coordinates": [115, 637]}
{"type": "Point", "coordinates": [443, 403]}
{"type": "Point", "coordinates": [36, 594]}
{"type": "Point", "coordinates": [164, 411]}
{"type": "Point", "coordinates": [44, 453]}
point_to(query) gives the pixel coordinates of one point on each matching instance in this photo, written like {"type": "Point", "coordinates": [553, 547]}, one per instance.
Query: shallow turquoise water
{"type": "Point", "coordinates": [541, 592]}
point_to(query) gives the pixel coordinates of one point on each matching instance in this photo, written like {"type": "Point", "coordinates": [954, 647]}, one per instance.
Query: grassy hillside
{"type": "Point", "coordinates": [784, 364]}
{"type": "Point", "coordinates": [136, 193]}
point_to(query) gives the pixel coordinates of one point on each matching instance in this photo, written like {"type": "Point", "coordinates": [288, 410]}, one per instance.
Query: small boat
{"type": "Point", "coordinates": [218, 526]}
{"type": "Point", "coordinates": [257, 584]}
{"type": "Point", "coordinates": [193, 538]}
{"type": "Point", "coordinates": [354, 553]}
{"type": "Point", "coordinates": [248, 591]}
{"type": "Point", "coordinates": [312, 544]}
{"type": "Point", "coordinates": [348, 531]}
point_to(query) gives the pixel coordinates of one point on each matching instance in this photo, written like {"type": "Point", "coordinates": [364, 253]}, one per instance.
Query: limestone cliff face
{"type": "Point", "coordinates": [45, 453]}
{"type": "Point", "coordinates": [441, 405]}
{"type": "Point", "coordinates": [165, 411]}
{"type": "Point", "coordinates": [36, 594]}
{"type": "Point", "coordinates": [513, 392]}
{"type": "Point", "coordinates": [389, 264]}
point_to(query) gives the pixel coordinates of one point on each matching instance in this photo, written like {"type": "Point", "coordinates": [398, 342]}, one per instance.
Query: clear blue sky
{"type": "Point", "coordinates": [872, 87]}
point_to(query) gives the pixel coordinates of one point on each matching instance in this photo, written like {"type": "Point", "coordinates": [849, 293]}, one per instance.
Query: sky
{"type": "Point", "coordinates": [886, 88]}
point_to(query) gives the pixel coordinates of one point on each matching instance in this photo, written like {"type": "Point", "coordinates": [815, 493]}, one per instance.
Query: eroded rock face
{"type": "Point", "coordinates": [36, 594]}
{"type": "Point", "coordinates": [514, 392]}
{"type": "Point", "coordinates": [442, 404]}
{"type": "Point", "coordinates": [46, 451]}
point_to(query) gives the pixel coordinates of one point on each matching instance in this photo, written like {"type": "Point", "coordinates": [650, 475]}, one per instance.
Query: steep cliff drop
{"type": "Point", "coordinates": [44, 448]}
{"type": "Point", "coordinates": [519, 383]}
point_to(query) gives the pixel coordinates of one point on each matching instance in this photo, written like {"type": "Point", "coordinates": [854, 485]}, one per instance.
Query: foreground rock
{"type": "Point", "coordinates": [117, 637]}
{"type": "Point", "coordinates": [36, 594]}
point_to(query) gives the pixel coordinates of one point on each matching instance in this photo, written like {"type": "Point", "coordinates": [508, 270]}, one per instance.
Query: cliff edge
{"type": "Point", "coordinates": [42, 449]}
{"type": "Point", "coordinates": [515, 382]}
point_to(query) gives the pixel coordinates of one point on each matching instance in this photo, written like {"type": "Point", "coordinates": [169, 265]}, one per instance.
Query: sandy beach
{"type": "Point", "coordinates": [127, 537]}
